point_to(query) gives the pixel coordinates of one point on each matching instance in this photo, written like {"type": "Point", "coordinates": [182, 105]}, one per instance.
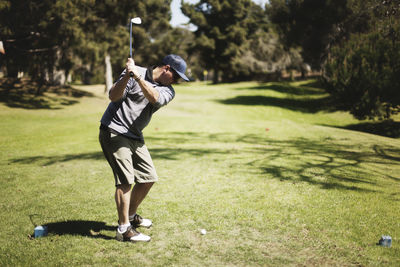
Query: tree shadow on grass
{"type": "Point", "coordinates": [303, 98]}
{"type": "Point", "coordinates": [310, 103]}
{"type": "Point", "coordinates": [22, 94]}
{"type": "Point", "coordinates": [34, 102]}
{"type": "Point", "coordinates": [50, 160]}
{"type": "Point", "coordinates": [302, 105]}
{"type": "Point", "coordinates": [80, 227]}
{"type": "Point", "coordinates": [310, 89]}
{"type": "Point", "coordinates": [328, 163]}
{"type": "Point", "coordinates": [387, 128]}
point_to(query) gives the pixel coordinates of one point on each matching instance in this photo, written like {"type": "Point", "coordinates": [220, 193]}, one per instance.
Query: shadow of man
{"type": "Point", "coordinates": [79, 227]}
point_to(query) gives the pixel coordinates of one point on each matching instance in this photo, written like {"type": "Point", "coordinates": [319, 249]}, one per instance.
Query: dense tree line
{"type": "Point", "coordinates": [236, 40]}
{"type": "Point", "coordinates": [51, 39]}
{"type": "Point", "coordinates": [363, 70]}
{"type": "Point", "coordinates": [44, 37]}
{"type": "Point", "coordinates": [354, 43]}
{"type": "Point", "coordinates": [223, 27]}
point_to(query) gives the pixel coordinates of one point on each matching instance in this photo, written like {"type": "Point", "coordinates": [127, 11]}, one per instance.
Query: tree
{"type": "Point", "coordinates": [223, 26]}
{"type": "Point", "coordinates": [363, 72]}
{"type": "Point", "coordinates": [155, 15]}
{"type": "Point", "coordinates": [354, 42]}
{"type": "Point", "coordinates": [263, 57]}
{"type": "Point", "coordinates": [71, 35]}
{"type": "Point", "coordinates": [41, 36]}
{"type": "Point", "coordinates": [311, 24]}
{"type": "Point", "coordinates": [178, 41]}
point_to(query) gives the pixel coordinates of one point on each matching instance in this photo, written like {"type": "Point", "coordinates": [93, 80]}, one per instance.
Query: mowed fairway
{"type": "Point", "coordinates": [267, 169]}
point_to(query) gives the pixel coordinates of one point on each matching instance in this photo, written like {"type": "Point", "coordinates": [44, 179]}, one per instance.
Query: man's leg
{"type": "Point", "coordinates": [122, 199]}
{"type": "Point", "coordinates": [145, 177]}
{"type": "Point", "coordinates": [139, 192]}
{"type": "Point", "coordinates": [124, 231]}
{"type": "Point", "coordinates": [119, 156]}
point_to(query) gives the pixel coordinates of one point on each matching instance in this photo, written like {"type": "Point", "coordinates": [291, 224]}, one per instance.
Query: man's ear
{"type": "Point", "coordinates": [166, 68]}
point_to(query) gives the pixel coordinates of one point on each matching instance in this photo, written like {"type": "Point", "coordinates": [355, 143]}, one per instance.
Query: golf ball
{"type": "Point", "coordinates": [203, 231]}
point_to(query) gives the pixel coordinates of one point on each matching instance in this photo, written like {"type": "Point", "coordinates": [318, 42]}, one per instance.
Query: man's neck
{"type": "Point", "coordinates": [157, 73]}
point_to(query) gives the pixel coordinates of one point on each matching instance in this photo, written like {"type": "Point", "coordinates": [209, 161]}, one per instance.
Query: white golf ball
{"type": "Point", "coordinates": [203, 231]}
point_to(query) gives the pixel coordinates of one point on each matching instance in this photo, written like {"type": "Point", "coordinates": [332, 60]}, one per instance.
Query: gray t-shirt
{"type": "Point", "coordinates": [133, 112]}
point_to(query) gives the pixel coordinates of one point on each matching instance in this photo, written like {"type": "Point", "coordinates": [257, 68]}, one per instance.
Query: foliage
{"type": "Point", "coordinates": [355, 43]}
{"type": "Point", "coordinates": [40, 33]}
{"type": "Point", "coordinates": [222, 28]}
{"type": "Point", "coordinates": [178, 41]}
{"type": "Point", "coordinates": [42, 36]}
{"type": "Point", "coordinates": [263, 57]}
{"type": "Point", "coordinates": [310, 24]}
{"type": "Point", "coordinates": [363, 72]}
{"type": "Point", "coordinates": [155, 26]}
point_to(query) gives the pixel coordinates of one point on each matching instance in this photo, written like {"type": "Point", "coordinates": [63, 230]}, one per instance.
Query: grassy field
{"type": "Point", "coordinates": [270, 170]}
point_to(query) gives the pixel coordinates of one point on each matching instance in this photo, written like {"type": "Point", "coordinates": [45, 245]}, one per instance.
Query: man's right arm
{"type": "Point", "coordinates": [117, 90]}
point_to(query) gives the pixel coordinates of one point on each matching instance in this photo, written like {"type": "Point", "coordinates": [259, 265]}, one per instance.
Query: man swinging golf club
{"type": "Point", "coordinates": [135, 96]}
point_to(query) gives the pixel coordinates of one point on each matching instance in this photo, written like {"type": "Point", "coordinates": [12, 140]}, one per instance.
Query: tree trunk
{"type": "Point", "coordinates": [108, 73]}
{"type": "Point", "coordinates": [12, 70]}
{"type": "Point", "coordinates": [41, 81]}
{"type": "Point", "coordinates": [11, 64]}
{"type": "Point", "coordinates": [11, 60]}
{"type": "Point", "coordinates": [215, 75]}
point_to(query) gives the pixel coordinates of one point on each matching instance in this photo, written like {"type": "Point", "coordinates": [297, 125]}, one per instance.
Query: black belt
{"type": "Point", "coordinates": [103, 127]}
{"type": "Point", "coordinates": [106, 128]}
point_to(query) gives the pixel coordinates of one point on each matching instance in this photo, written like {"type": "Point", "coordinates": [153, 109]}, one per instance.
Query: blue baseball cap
{"type": "Point", "coordinates": [177, 64]}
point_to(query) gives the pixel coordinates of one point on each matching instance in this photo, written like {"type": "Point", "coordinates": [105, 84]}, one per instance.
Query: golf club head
{"type": "Point", "coordinates": [136, 20]}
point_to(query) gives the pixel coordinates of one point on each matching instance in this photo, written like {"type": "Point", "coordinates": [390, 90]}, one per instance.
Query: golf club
{"type": "Point", "coordinates": [137, 21]}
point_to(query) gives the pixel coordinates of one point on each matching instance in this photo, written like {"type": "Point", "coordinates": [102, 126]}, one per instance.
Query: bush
{"type": "Point", "coordinates": [364, 75]}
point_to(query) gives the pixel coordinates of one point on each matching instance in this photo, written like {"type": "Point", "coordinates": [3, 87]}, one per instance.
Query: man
{"type": "Point", "coordinates": [135, 96]}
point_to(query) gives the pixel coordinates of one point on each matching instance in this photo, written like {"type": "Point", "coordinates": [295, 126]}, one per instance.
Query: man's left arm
{"type": "Point", "coordinates": [149, 92]}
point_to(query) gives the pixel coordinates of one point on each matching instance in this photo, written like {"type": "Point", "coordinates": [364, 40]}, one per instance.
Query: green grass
{"type": "Point", "coordinates": [270, 171]}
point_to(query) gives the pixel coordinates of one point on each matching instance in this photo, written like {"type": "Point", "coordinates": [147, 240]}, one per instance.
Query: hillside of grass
{"type": "Point", "coordinates": [274, 173]}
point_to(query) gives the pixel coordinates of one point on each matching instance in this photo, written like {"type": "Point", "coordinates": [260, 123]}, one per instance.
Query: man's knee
{"type": "Point", "coordinates": [124, 187]}
{"type": "Point", "coordinates": [145, 185]}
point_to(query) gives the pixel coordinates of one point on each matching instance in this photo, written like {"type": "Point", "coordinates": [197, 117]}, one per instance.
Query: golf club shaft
{"type": "Point", "coordinates": [130, 44]}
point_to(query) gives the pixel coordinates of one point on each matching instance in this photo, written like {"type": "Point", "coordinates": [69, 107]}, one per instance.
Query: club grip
{"type": "Point", "coordinates": [131, 74]}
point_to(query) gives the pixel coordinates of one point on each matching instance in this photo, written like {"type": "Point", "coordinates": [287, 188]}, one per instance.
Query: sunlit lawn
{"type": "Point", "coordinates": [269, 170]}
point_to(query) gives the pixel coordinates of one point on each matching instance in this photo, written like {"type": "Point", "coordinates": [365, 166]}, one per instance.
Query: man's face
{"type": "Point", "coordinates": [169, 76]}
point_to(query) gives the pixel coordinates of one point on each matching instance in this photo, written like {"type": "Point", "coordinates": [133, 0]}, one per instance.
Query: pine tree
{"type": "Point", "coordinates": [42, 36]}
{"type": "Point", "coordinates": [223, 26]}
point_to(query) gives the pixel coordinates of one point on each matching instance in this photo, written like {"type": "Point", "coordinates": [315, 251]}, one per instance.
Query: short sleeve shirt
{"type": "Point", "coordinates": [133, 112]}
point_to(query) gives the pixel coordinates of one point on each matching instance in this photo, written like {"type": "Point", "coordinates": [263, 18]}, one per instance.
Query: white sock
{"type": "Point", "coordinates": [123, 227]}
{"type": "Point", "coordinates": [132, 216]}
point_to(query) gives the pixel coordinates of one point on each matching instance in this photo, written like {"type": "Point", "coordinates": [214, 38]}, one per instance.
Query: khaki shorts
{"type": "Point", "coordinates": [129, 159]}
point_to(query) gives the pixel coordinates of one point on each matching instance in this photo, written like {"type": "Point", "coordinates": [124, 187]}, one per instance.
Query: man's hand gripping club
{"type": "Point", "coordinates": [117, 90]}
